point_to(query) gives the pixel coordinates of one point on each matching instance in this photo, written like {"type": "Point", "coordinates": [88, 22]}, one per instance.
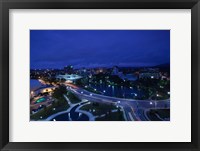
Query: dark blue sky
{"type": "Point", "coordinates": [93, 48]}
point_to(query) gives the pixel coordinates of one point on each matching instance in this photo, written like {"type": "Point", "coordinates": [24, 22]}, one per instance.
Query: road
{"type": "Point", "coordinates": [132, 108]}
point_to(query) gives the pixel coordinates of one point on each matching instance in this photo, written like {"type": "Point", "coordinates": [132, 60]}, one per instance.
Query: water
{"type": "Point", "coordinates": [117, 91]}
{"type": "Point", "coordinates": [40, 100]}
{"type": "Point", "coordinates": [34, 84]}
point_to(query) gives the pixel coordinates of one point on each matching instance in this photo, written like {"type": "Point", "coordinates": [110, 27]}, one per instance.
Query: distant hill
{"type": "Point", "coordinates": [165, 65]}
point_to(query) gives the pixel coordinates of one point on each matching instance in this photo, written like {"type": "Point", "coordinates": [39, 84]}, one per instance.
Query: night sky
{"type": "Point", "coordinates": [98, 48]}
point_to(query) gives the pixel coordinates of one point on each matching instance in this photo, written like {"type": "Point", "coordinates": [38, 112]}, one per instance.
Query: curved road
{"type": "Point", "coordinates": [131, 107]}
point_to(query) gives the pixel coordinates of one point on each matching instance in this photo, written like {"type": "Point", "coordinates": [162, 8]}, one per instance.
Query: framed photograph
{"type": "Point", "coordinates": [99, 75]}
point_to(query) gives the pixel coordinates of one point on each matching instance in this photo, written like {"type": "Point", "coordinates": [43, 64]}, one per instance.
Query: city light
{"type": "Point", "coordinates": [93, 86]}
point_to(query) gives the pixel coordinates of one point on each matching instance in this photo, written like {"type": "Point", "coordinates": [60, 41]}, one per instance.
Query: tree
{"type": "Point", "coordinates": [58, 92]}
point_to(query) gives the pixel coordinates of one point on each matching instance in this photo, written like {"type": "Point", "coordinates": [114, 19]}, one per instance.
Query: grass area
{"type": "Point", "coordinates": [163, 113]}
{"type": "Point", "coordinates": [100, 108]}
{"type": "Point", "coordinates": [73, 98]}
{"type": "Point", "coordinates": [59, 105]}
{"type": "Point", "coordinates": [113, 116]}
{"type": "Point", "coordinates": [161, 96]}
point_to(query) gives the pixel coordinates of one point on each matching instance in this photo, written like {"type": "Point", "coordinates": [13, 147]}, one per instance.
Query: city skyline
{"type": "Point", "coordinates": [98, 48]}
{"type": "Point", "coordinates": [101, 75]}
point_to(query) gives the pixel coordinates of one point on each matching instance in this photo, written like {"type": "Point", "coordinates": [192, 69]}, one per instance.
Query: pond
{"type": "Point", "coordinates": [40, 100]}
{"type": "Point", "coordinates": [34, 84]}
{"type": "Point", "coordinates": [117, 91]}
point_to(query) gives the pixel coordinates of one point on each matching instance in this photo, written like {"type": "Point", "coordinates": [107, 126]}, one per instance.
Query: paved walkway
{"type": "Point", "coordinates": [59, 113]}
{"type": "Point", "coordinates": [91, 117]}
{"type": "Point", "coordinates": [68, 101]}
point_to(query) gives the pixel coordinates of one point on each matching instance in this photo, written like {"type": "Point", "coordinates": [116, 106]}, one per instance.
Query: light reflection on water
{"type": "Point", "coordinates": [117, 91]}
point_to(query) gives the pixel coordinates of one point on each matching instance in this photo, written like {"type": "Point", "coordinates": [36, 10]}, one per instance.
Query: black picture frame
{"type": "Point", "coordinates": [5, 5]}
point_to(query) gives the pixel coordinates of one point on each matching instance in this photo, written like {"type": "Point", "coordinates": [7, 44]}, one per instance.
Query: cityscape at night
{"type": "Point", "coordinates": [99, 75]}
